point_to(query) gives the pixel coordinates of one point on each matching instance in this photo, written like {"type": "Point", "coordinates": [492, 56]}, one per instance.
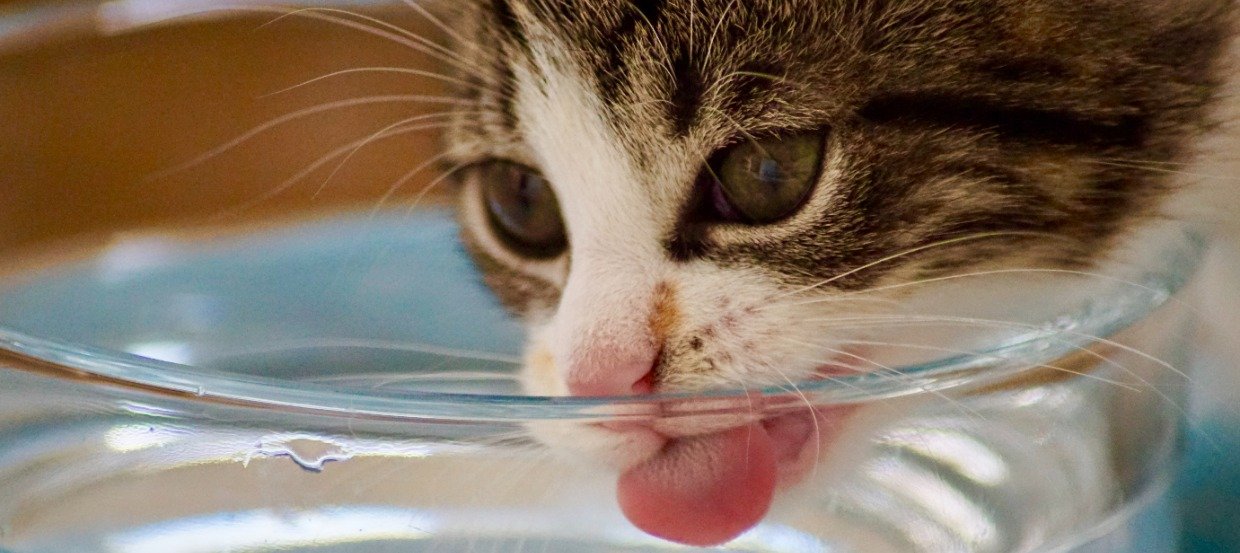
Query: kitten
{"type": "Point", "coordinates": [670, 192]}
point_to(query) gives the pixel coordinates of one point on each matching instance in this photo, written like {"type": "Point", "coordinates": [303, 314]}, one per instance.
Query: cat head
{"type": "Point", "coordinates": [683, 194]}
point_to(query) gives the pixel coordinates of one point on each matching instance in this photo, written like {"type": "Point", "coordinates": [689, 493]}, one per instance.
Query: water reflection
{"type": "Point", "coordinates": [938, 501]}
{"type": "Point", "coordinates": [137, 437]}
{"type": "Point", "coordinates": [264, 531]}
{"type": "Point", "coordinates": [963, 453]}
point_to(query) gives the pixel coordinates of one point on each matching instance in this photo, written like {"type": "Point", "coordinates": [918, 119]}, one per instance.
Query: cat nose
{"type": "Point", "coordinates": [613, 374]}
{"type": "Point", "coordinates": [612, 328]}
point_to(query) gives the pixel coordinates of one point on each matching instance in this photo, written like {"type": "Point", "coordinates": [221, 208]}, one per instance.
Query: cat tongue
{"type": "Point", "coordinates": [703, 490]}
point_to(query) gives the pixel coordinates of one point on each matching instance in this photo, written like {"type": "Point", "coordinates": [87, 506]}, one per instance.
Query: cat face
{"type": "Point", "coordinates": [684, 194]}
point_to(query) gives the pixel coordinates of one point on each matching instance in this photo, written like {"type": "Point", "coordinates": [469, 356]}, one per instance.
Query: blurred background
{"type": "Point", "coordinates": [91, 125]}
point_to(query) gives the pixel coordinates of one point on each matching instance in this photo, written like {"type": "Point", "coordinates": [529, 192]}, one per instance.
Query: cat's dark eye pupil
{"type": "Point", "coordinates": [523, 210]}
{"type": "Point", "coordinates": [765, 181]}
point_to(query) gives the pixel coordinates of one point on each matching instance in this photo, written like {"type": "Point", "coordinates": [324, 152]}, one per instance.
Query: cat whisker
{"type": "Point", "coordinates": [973, 354]}
{"type": "Point", "coordinates": [379, 28]}
{"type": "Point", "coordinates": [985, 323]}
{"type": "Point", "coordinates": [850, 365]}
{"type": "Point", "coordinates": [744, 387]}
{"type": "Point", "coordinates": [444, 28]}
{"type": "Point", "coordinates": [435, 183]}
{"type": "Point", "coordinates": [1145, 384]}
{"type": "Point", "coordinates": [919, 249]}
{"type": "Point", "coordinates": [760, 75]}
{"type": "Point", "coordinates": [714, 34]}
{"type": "Point", "coordinates": [1026, 271]}
{"type": "Point", "coordinates": [809, 406]}
{"type": "Point", "coordinates": [1150, 162]}
{"type": "Point", "coordinates": [350, 148]}
{"type": "Point", "coordinates": [832, 300]}
{"type": "Point", "coordinates": [889, 371]}
{"type": "Point", "coordinates": [404, 179]}
{"type": "Point", "coordinates": [1142, 167]}
{"type": "Point", "coordinates": [301, 114]}
{"type": "Point", "coordinates": [740, 129]}
{"type": "Point", "coordinates": [372, 70]}
{"type": "Point", "coordinates": [385, 132]}
{"type": "Point", "coordinates": [920, 318]}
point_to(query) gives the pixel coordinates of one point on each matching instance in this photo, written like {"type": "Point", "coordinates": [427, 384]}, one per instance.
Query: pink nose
{"type": "Point", "coordinates": [612, 375]}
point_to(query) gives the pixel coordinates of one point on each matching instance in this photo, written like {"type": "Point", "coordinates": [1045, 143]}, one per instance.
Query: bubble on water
{"type": "Point", "coordinates": [311, 453]}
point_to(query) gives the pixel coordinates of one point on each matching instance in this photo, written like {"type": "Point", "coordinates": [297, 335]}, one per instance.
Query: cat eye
{"type": "Point", "coordinates": [765, 181]}
{"type": "Point", "coordinates": [522, 209]}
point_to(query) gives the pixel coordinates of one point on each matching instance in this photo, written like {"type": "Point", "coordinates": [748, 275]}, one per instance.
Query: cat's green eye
{"type": "Point", "coordinates": [764, 181]}
{"type": "Point", "coordinates": [523, 209]}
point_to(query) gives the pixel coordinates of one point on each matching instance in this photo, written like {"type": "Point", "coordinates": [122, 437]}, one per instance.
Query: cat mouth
{"type": "Point", "coordinates": [713, 467]}
{"type": "Point", "coordinates": [707, 489]}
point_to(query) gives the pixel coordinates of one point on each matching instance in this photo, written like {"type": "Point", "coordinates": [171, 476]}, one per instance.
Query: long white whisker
{"type": "Point", "coordinates": [400, 182]}
{"type": "Point", "coordinates": [840, 298]}
{"type": "Point", "coordinates": [1085, 350]}
{"type": "Point", "coordinates": [1010, 324]}
{"type": "Point", "coordinates": [894, 373]}
{"type": "Point", "coordinates": [859, 369]}
{"type": "Point", "coordinates": [905, 253]}
{"type": "Point", "coordinates": [1128, 165]}
{"type": "Point", "coordinates": [303, 113]}
{"type": "Point", "coordinates": [396, 70]}
{"type": "Point", "coordinates": [349, 148]}
{"type": "Point", "coordinates": [1164, 396]}
{"type": "Point", "coordinates": [813, 415]}
{"type": "Point", "coordinates": [291, 181]}
{"type": "Point", "coordinates": [1194, 309]}
{"type": "Point", "coordinates": [1144, 162]}
{"type": "Point", "coordinates": [427, 189]}
{"type": "Point", "coordinates": [714, 34]}
{"type": "Point", "coordinates": [991, 358]}
{"type": "Point", "coordinates": [379, 28]}
{"type": "Point", "coordinates": [382, 133]}
{"type": "Point", "coordinates": [439, 24]}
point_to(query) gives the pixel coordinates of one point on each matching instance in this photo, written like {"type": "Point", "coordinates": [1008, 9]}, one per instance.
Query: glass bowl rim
{"type": "Point", "coordinates": [1025, 351]}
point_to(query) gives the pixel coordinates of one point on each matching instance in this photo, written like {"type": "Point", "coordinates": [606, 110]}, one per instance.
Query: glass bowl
{"type": "Point", "coordinates": [215, 338]}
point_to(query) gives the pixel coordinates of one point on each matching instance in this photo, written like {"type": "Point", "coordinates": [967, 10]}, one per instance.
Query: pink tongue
{"type": "Point", "coordinates": [704, 490]}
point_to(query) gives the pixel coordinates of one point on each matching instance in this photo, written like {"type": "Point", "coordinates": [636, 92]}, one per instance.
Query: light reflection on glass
{"type": "Point", "coordinates": [904, 529]}
{"type": "Point", "coordinates": [775, 537]}
{"type": "Point", "coordinates": [939, 500]}
{"type": "Point", "coordinates": [133, 257]}
{"type": "Point", "coordinates": [962, 452]}
{"type": "Point", "coordinates": [264, 531]}
{"type": "Point", "coordinates": [146, 410]}
{"type": "Point", "coordinates": [1031, 397]}
{"type": "Point", "coordinates": [169, 351]}
{"type": "Point", "coordinates": [137, 437]}
{"type": "Point", "coordinates": [120, 16]}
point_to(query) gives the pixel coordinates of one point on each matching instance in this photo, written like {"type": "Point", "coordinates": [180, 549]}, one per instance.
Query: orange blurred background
{"type": "Point", "coordinates": [87, 122]}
